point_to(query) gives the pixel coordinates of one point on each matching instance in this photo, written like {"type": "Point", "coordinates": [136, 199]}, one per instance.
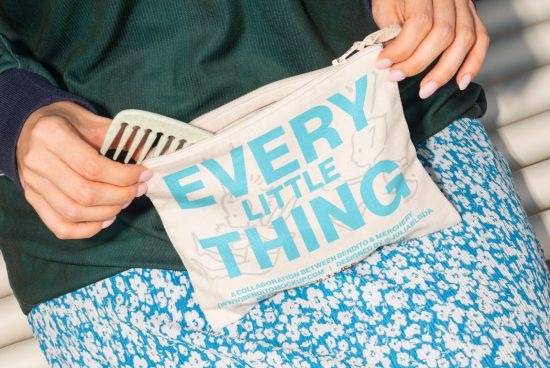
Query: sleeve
{"type": "Point", "coordinates": [368, 5]}
{"type": "Point", "coordinates": [25, 86]}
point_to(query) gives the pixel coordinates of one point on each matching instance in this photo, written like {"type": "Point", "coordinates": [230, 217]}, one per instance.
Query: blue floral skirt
{"type": "Point", "coordinates": [474, 295]}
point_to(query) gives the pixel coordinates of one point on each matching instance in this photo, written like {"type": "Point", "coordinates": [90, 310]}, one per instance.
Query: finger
{"type": "Point", "coordinates": [61, 228]}
{"type": "Point", "coordinates": [88, 163]}
{"type": "Point", "coordinates": [82, 191]}
{"type": "Point", "coordinates": [386, 13]}
{"type": "Point", "coordinates": [418, 19]}
{"type": "Point", "coordinates": [454, 56]}
{"type": "Point", "coordinates": [68, 209]}
{"type": "Point", "coordinates": [476, 57]}
{"type": "Point", "coordinates": [440, 37]}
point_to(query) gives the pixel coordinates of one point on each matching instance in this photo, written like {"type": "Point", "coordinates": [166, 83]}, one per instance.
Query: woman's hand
{"type": "Point", "coordinates": [450, 28]}
{"type": "Point", "coordinates": [75, 191]}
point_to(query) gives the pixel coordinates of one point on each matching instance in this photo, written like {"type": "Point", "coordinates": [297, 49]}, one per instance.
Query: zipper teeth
{"type": "Point", "coordinates": [251, 96]}
{"type": "Point", "coordinates": [330, 70]}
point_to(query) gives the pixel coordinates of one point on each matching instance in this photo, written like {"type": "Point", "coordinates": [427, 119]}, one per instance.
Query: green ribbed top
{"type": "Point", "coordinates": [180, 59]}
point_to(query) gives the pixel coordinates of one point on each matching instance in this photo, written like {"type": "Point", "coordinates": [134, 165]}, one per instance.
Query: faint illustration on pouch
{"type": "Point", "coordinates": [306, 186]}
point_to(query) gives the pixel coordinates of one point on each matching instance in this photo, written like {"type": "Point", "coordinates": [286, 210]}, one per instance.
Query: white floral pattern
{"type": "Point", "coordinates": [475, 295]}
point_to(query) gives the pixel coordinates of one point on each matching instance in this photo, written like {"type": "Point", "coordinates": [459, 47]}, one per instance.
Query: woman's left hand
{"type": "Point", "coordinates": [450, 28]}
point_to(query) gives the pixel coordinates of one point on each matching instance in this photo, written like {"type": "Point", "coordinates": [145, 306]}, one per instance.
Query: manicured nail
{"type": "Point", "coordinates": [108, 223]}
{"type": "Point", "coordinates": [125, 205]}
{"type": "Point", "coordinates": [428, 90]}
{"type": "Point", "coordinates": [146, 175]}
{"type": "Point", "coordinates": [465, 81]}
{"type": "Point", "coordinates": [396, 76]}
{"type": "Point", "coordinates": [383, 64]}
{"type": "Point", "coordinates": [142, 189]}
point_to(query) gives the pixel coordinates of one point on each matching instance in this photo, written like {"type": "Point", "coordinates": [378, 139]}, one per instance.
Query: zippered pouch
{"type": "Point", "coordinates": [303, 177]}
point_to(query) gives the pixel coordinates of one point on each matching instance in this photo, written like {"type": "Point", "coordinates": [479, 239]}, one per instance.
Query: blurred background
{"type": "Point", "coordinates": [516, 78]}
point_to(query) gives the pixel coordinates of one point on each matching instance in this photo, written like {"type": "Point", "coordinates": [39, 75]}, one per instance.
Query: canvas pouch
{"type": "Point", "coordinates": [303, 177]}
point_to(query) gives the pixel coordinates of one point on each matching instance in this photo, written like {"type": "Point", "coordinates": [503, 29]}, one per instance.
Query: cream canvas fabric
{"type": "Point", "coordinates": [303, 178]}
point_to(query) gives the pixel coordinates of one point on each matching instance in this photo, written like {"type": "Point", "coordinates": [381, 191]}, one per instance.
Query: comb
{"type": "Point", "coordinates": [155, 134]}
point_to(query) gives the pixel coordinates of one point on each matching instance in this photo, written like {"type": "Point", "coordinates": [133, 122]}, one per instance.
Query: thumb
{"type": "Point", "coordinates": [92, 129]}
{"type": "Point", "coordinates": [94, 132]}
{"type": "Point", "coordinates": [90, 126]}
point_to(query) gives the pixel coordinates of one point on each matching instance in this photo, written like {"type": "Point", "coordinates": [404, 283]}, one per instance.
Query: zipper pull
{"type": "Point", "coordinates": [382, 36]}
{"type": "Point", "coordinates": [357, 46]}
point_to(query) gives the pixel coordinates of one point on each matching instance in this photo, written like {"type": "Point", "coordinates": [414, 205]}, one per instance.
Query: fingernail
{"type": "Point", "coordinates": [396, 76]}
{"type": "Point", "coordinates": [428, 90]}
{"type": "Point", "coordinates": [108, 223]}
{"type": "Point", "coordinates": [383, 64]}
{"type": "Point", "coordinates": [146, 175]}
{"type": "Point", "coordinates": [465, 81]}
{"type": "Point", "coordinates": [126, 204]}
{"type": "Point", "coordinates": [142, 189]}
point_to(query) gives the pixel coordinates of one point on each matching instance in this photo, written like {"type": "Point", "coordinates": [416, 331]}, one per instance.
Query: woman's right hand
{"type": "Point", "coordinates": [75, 191]}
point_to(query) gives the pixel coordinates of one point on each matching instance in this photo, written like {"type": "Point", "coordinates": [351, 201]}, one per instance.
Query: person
{"type": "Point", "coordinates": [88, 258]}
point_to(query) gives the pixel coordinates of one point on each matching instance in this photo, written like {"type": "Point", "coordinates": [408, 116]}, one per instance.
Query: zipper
{"type": "Point", "coordinates": [369, 44]}
{"type": "Point", "coordinates": [382, 36]}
